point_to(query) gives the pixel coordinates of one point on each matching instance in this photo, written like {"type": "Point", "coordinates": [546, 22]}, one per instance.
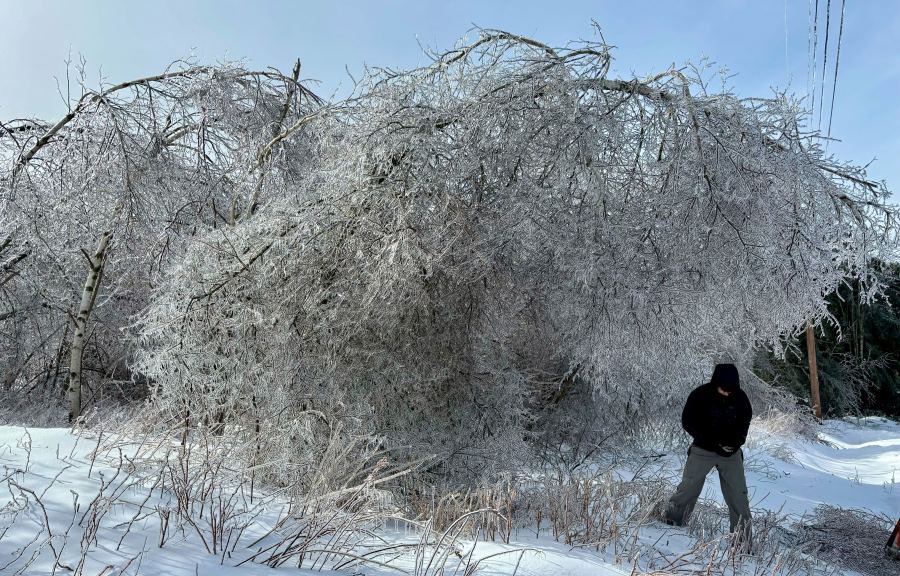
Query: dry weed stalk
{"type": "Point", "coordinates": [851, 539]}
{"type": "Point", "coordinates": [499, 502]}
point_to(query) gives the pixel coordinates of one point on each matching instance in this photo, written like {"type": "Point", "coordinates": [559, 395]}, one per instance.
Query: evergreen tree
{"type": "Point", "coordinates": [858, 353]}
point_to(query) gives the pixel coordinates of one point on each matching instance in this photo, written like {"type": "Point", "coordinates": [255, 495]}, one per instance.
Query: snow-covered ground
{"type": "Point", "coordinates": [854, 464]}
{"type": "Point", "coordinates": [49, 475]}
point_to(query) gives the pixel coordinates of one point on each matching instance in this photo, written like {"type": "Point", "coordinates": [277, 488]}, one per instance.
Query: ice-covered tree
{"type": "Point", "coordinates": [105, 195]}
{"type": "Point", "coordinates": [474, 241]}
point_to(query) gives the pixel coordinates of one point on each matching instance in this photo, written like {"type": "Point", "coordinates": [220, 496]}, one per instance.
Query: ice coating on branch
{"type": "Point", "coordinates": [450, 255]}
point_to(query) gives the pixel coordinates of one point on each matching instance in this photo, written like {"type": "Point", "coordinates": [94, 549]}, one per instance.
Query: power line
{"type": "Point", "coordinates": [815, 25]}
{"type": "Point", "coordinates": [809, 43]}
{"type": "Point", "coordinates": [787, 60]}
{"type": "Point", "coordinates": [837, 61]}
{"type": "Point", "coordinates": [824, 61]}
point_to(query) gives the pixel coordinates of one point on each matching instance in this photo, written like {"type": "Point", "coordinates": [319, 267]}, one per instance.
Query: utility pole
{"type": "Point", "coordinates": [813, 370]}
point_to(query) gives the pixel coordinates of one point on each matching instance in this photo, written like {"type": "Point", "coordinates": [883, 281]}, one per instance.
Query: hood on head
{"type": "Point", "coordinates": [726, 377]}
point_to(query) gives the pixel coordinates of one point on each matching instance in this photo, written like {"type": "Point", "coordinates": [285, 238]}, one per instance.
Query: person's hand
{"type": "Point", "coordinates": [727, 449]}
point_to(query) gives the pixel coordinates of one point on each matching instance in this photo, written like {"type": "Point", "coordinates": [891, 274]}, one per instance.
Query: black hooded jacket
{"type": "Point", "coordinates": [715, 420]}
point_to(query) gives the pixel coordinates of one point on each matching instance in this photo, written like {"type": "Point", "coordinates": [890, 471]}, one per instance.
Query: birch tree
{"type": "Point", "coordinates": [96, 263]}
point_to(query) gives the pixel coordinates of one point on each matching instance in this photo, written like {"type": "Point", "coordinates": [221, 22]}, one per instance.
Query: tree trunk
{"type": "Point", "coordinates": [88, 299]}
{"type": "Point", "coordinates": [813, 371]}
{"type": "Point", "coordinates": [9, 378]}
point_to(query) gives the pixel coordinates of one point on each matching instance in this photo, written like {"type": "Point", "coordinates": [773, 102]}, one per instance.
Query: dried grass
{"type": "Point", "coordinates": [852, 539]}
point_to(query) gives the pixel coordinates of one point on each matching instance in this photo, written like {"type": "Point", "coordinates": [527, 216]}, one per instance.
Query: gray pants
{"type": "Point", "coordinates": [734, 489]}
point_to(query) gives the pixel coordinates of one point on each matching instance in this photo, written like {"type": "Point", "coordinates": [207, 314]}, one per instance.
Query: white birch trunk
{"type": "Point", "coordinates": [88, 298]}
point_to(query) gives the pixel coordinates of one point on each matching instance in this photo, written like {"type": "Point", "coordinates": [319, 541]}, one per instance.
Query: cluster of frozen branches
{"type": "Point", "coordinates": [442, 261]}
{"type": "Point", "coordinates": [100, 204]}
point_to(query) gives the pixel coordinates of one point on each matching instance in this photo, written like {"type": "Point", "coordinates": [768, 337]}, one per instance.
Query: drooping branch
{"type": "Point", "coordinates": [644, 88]}
{"type": "Point", "coordinates": [85, 101]}
{"type": "Point", "coordinates": [91, 97]}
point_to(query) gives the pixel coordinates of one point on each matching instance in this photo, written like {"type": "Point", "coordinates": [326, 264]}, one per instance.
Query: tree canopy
{"type": "Point", "coordinates": [440, 261]}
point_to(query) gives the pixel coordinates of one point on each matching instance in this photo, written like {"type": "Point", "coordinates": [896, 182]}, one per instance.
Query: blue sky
{"type": "Point", "coordinates": [764, 42]}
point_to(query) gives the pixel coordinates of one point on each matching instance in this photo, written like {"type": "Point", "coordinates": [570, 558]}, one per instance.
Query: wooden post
{"type": "Point", "coordinates": [813, 371]}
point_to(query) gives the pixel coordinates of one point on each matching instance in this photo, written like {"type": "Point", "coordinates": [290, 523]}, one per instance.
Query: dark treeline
{"type": "Point", "coordinates": [858, 353]}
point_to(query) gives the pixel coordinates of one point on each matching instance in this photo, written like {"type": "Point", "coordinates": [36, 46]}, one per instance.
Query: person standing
{"type": "Point", "coordinates": [717, 416]}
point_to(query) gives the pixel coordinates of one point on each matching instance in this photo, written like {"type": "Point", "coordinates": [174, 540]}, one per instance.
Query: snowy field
{"type": "Point", "coordinates": [64, 511]}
